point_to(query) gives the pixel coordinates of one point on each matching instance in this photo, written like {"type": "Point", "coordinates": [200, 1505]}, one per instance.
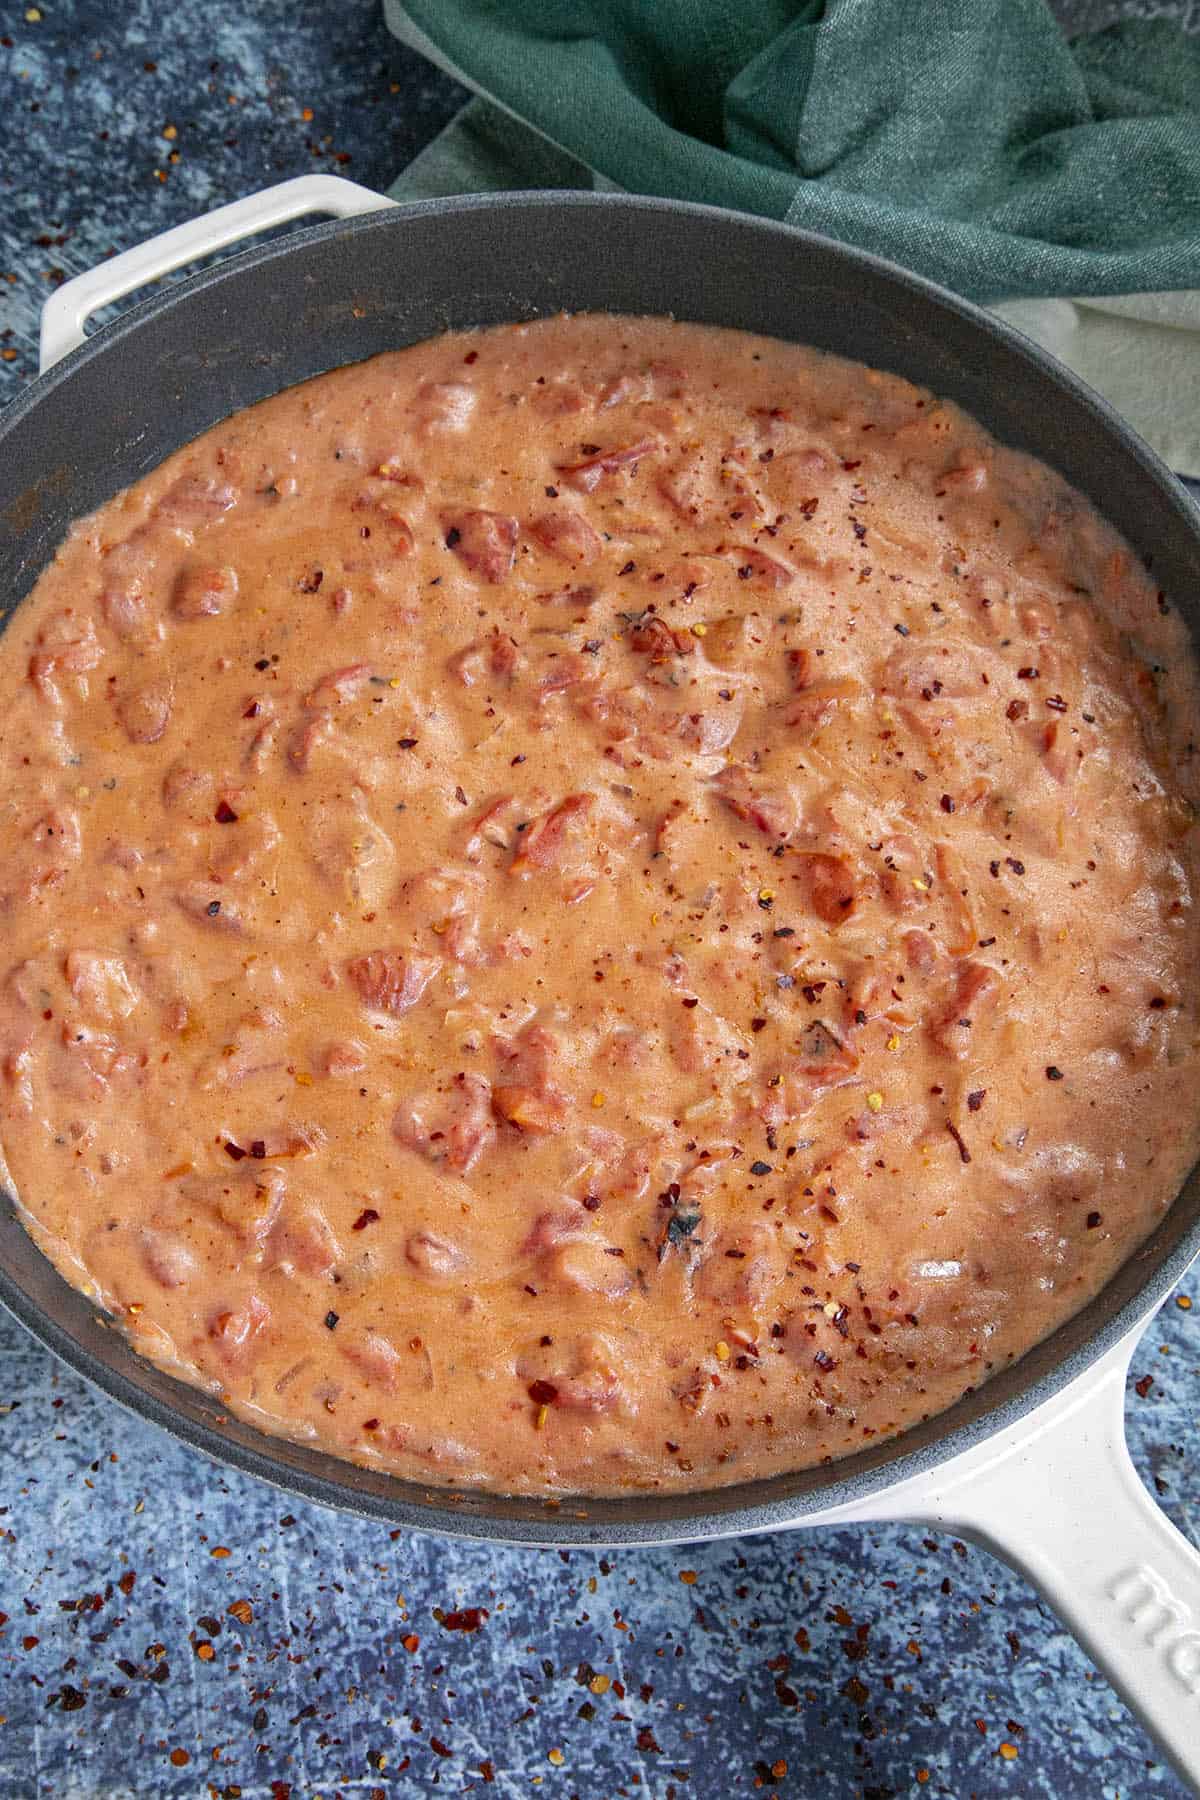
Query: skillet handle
{"type": "Point", "coordinates": [1067, 1508]}
{"type": "Point", "coordinates": [66, 311]}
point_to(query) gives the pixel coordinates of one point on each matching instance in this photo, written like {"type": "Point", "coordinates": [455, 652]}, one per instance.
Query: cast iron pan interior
{"type": "Point", "coordinates": [335, 293]}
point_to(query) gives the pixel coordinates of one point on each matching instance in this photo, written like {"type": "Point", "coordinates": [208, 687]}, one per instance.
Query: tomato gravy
{"type": "Point", "coordinates": [596, 904]}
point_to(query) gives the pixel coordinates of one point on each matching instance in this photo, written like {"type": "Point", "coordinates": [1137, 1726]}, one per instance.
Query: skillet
{"type": "Point", "coordinates": [1033, 1465]}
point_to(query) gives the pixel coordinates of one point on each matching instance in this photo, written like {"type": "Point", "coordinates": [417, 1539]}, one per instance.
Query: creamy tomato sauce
{"type": "Point", "coordinates": [596, 904]}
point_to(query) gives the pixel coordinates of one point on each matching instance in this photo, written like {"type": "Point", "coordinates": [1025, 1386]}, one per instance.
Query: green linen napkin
{"type": "Point", "coordinates": [966, 139]}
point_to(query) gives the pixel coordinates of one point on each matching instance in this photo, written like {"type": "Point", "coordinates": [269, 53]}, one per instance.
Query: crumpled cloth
{"type": "Point", "coordinates": [965, 139]}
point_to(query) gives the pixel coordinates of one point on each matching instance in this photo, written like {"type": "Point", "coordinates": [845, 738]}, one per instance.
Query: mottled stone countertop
{"type": "Point", "coordinates": [173, 1630]}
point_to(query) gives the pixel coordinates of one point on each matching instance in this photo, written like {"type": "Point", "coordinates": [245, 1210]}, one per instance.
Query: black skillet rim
{"type": "Point", "coordinates": [770, 1504]}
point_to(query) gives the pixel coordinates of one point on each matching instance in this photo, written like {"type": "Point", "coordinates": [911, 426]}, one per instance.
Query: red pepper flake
{"type": "Point", "coordinates": [487, 1770]}
{"type": "Point", "coordinates": [466, 1618]}
{"type": "Point", "coordinates": [1142, 1386]}
{"type": "Point", "coordinates": [1027, 674]}
{"type": "Point", "coordinates": [757, 1024]}
{"type": "Point", "coordinates": [542, 1393]}
{"type": "Point", "coordinates": [412, 1643]}
{"type": "Point", "coordinates": [1053, 1074]}
{"type": "Point", "coordinates": [440, 1749]}
{"type": "Point", "coordinates": [947, 803]}
{"type": "Point", "coordinates": [976, 1098]}
{"type": "Point", "coordinates": [234, 1150]}
{"type": "Point", "coordinates": [690, 1002]}
{"type": "Point", "coordinates": [1016, 709]}
{"type": "Point", "coordinates": [471, 356]}
{"type": "Point", "coordinates": [1094, 1219]}
{"type": "Point", "coordinates": [367, 1216]}
{"type": "Point", "coordinates": [407, 743]}
{"type": "Point", "coordinates": [225, 814]}
{"type": "Point", "coordinates": [956, 1134]}
{"type": "Point", "coordinates": [258, 1149]}
{"type": "Point", "coordinates": [647, 1741]}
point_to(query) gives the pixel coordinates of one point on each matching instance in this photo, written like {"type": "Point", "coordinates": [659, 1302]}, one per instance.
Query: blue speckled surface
{"type": "Point", "coordinates": [871, 1663]}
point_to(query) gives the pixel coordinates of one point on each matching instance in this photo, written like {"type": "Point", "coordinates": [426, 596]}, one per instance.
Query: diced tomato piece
{"type": "Point", "coordinates": [454, 1126]}
{"type": "Point", "coordinates": [762, 571]}
{"type": "Point", "coordinates": [975, 992]}
{"type": "Point", "coordinates": [233, 1333]}
{"type": "Point", "coordinates": [304, 1241]}
{"type": "Point", "coordinates": [830, 886]}
{"type": "Point", "coordinates": [485, 541]}
{"type": "Point", "coordinates": [433, 1256]}
{"type": "Point", "coordinates": [125, 609]}
{"type": "Point", "coordinates": [554, 1226]}
{"type": "Point", "coordinates": [654, 636]}
{"type": "Point", "coordinates": [376, 1358]}
{"type": "Point", "coordinates": [534, 1110]}
{"type": "Point", "coordinates": [145, 712]}
{"type": "Point", "coordinates": [342, 1058]}
{"type": "Point", "coordinates": [567, 535]}
{"type": "Point", "coordinates": [100, 984]}
{"type": "Point", "coordinates": [167, 1258]}
{"type": "Point", "coordinates": [589, 472]}
{"type": "Point", "coordinates": [195, 500]}
{"type": "Point", "coordinates": [769, 811]}
{"type": "Point", "coordinates": [66, 645]}
{"type": "Point", "coordinates": [204, 592]}
{"type": "Point", "coordinates": [392, 981]}
{"type": "Point", "coordinates": [445, 406]}
{"type": "Point", "coordinates": [339, 686]}
{"type": "Point", "coordinates": [543, 844]}
{"type": "Point", "coordinates": [496, 656]}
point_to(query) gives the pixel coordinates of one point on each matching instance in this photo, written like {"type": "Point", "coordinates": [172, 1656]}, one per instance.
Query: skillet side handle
{"type": "Point", "coordinates": [1068, 1510]}
{"type": "Point", "coordinates": [66, 312]}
